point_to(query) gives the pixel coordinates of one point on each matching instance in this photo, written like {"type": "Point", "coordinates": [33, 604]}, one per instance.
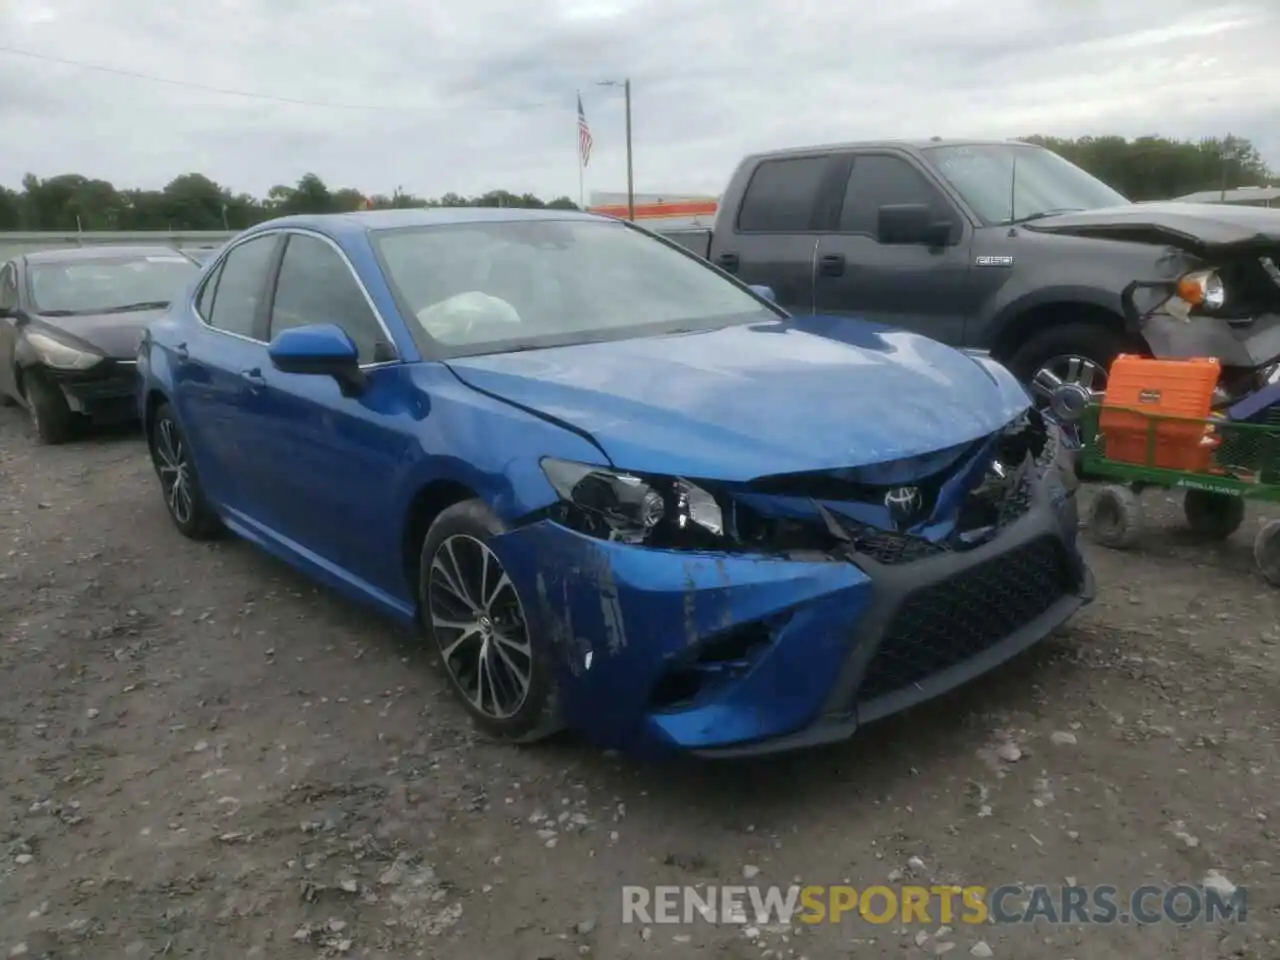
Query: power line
{"type": "Point", "coordinates": [252, 95]}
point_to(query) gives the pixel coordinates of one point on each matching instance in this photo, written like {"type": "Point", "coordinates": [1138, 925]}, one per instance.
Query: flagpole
{"type": "Point", "coordinates": [581, 173]}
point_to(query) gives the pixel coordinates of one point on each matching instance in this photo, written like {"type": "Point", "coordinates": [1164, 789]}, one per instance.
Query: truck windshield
{"type": "Point", "coordinates": [1045, 183]}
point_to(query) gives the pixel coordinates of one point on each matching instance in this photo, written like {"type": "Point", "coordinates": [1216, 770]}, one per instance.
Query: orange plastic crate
{"type": "Point", "coordinates": [1138, 388]}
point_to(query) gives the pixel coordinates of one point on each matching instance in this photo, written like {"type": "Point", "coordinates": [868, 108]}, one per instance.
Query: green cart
{"type": "Point", "coordinates": [1246, 466]}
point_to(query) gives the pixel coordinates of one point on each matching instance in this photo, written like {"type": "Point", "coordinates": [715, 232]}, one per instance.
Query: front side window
{"type": "Point", "coordinates": [240, 286]}
{"type": "Point", "coordinates": [1000, 190]}
{"type": "Point", "coordinates": [8, 287]}
{"type": "Point", "coordinates": [485, 287]}
{"type": "Point", "coordinates": [878, 180]}
{"type": "Point", "coordinates": [316, 286]}
{"type": "Point", "coordinates": [108, 284]}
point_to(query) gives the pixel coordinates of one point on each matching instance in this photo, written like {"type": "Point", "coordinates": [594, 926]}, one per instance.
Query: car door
{"type": "Point", "coordinates": [8, 328]}
{"type": "Point", "coordinates": [331, 459]}
{"type": "Point", "coordinates": [927, 289]}
{"type": "Point", "coordinates": [211, 372]}
{"type": "Point", "coordinates": [772, 241]}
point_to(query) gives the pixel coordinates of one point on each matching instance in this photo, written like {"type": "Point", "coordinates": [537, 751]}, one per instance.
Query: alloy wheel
{"type": "Point", "coordinates": [174, 471]}
{"type": "Point", "coordinates": [1066, 384]}
{"type": "Point", "coordinates": [479, 623]}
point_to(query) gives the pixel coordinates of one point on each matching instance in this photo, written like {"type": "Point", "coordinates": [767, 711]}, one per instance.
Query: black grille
{"type": "Point", "coordinates": [948, 622]}
{"type": "Point", "coordinates": [891, 549]}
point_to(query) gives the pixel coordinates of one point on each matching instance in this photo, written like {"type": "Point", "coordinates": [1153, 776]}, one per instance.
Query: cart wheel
{"type": "Point", "coordinates": [1116, 519]}
{"type": "Point", "coordinates": [1266, 550]}
{"type": "Point", "coordinates": [1213, 515]}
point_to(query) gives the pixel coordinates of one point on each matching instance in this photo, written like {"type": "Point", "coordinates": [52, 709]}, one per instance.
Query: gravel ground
{"type": "Point", "coordinates": [205, 756]}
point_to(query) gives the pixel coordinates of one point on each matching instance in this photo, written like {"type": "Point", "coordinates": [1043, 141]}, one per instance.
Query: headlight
{"type": "Point", "coordinates": [613, 505]}
{"type": "Point", "coordinates": [1203, 289]}
{"type": "Point", "coordinates": [61, 356]}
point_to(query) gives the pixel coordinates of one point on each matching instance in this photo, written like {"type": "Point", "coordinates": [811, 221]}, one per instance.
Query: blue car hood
{"type": "Point", "coordinates": [743, 402]}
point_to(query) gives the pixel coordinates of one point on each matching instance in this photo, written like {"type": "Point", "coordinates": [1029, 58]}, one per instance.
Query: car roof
{"type": "Point", "coordinates": [100, 252]}
{"type": "Point", "coordinates": [909, 145]}
{"type": "Point", "coordinates": [362, 221]}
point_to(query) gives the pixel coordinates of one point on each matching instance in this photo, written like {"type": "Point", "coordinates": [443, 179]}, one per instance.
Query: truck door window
{"type": "Point", "coordinates": [781, 196]}
{"type": "Point", "coordinates": [880, 180]}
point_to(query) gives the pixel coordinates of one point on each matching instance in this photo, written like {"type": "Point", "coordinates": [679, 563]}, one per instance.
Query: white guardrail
{"type": "Point", "coordinates": [12, 243]}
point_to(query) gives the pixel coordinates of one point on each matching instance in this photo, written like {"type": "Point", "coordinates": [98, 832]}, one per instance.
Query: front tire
{"type": "Point", "coordinates": [1214, 516]}
{"type": "Point", "coordinates": [51, 418]}
{"type": "Point", "coordinates": [1075, 356]}
{"type": "Point", "coordinates": [1266, 551]}
{"type": "Point", "coordinates": [183, 496]}
{"type": "Point", "coordinates": [1115, 518]}
{"type": "Point", "coordinates": [498, 666]}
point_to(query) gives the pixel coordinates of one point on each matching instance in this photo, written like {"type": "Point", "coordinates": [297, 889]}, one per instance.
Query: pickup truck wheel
{"type": "Point", "coordinates": [1066, 367]}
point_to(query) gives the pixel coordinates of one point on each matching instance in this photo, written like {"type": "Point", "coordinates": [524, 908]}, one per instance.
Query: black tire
{"type": "Point", "coordinates": [1266, 551]}
{"type": "Point", "coordinates": [454, 542]}
{"type": "Point", "coordinates": [1115, 517]}
{"type": "Point", "coordinates": [51, 419]}
{"type": "Point", "coordinates": [1214, 516]}
{"type": "Point", "coordinates": [171, 457]}
{"type": "Point", "coordinates": [1096, 342]}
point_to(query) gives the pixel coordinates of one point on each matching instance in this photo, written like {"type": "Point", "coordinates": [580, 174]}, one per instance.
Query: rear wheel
{"type": "Point", "coordinates": [1214, 516]}
{"type": "Point", "coordinates": [497, 665]}
{"type": "Point", "coordinates": [1266, 550]}
{"type": "Point", "coordinates": [183, 496]}
{"type": "Point", "coordinates": [51, 418]}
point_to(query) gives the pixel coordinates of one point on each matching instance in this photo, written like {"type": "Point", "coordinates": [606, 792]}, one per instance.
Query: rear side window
{"type": "Point", "coordinates": [880, 180]}
{"type": "Point", "coordinates": [204, 299]}
{"type": "Point", "coordinates": [781, 195]}
{"type": "Point", "coordinates": [240, 286]}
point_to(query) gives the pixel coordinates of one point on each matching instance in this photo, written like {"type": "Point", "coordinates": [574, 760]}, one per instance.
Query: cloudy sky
{"type": "Point", "coordinates": [467, 96]}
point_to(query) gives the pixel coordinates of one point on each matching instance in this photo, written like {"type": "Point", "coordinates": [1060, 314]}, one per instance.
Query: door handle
{"type": "Point", "coordinates": [182, 353]}
{"type": "Point", "coordinates": [831, 265]}
{"type": "Point", "coordinates": [728, 262]}
{"type": "Point", "coordinates": [254, 378]}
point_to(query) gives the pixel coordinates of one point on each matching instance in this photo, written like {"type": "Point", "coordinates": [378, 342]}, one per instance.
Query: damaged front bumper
{"type": "Point", "coordinates": [734, 654]}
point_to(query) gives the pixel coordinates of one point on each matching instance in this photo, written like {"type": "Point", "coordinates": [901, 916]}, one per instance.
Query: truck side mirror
{"type": "Point", "coordinates": [911, 223]}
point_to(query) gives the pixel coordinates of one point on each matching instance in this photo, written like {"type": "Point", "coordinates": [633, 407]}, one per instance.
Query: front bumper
{"type": "Point", "coordinates": [786, 653]}
{"type": "Point", "coordinates": [106, 393]}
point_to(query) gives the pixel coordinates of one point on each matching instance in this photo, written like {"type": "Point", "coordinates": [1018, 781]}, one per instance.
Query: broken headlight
{"type": "Point", "coordinates": [617, 505]}
{"type": "Point", "coordinates": [1204, 289]}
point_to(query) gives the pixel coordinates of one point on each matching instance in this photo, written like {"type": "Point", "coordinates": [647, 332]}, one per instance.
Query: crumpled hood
{"type": "Point", "coordinates": [115, 335]}
{"type": "Point", "coordinates": [743, 402]}
{"type": "Point", "coordinates": [1199, 228]}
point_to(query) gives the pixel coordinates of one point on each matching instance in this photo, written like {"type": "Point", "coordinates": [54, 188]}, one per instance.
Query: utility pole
{"type": "Point", "coordinates": [631, 185]}
{"type": "Point", "coordinates": [1227, 155]}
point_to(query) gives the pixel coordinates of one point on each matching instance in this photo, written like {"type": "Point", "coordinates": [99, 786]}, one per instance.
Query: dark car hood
{"type": "Point", "coordinates": [1199, 228]}
{"type": "Point", "coordinates": [744, 402]}
{"type": "Point", "coordinates": [114, 335]}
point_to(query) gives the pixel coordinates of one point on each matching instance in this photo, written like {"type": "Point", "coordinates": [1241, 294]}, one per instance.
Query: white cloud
{"type": "Point", "coordinates": [472, 96]}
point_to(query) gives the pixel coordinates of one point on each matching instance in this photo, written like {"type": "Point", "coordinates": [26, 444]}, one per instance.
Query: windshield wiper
{"type": "Point", "coordinates": [140, 305]}
{"type": "Point", "coordinates": [59, 313]}
{"type": "Point", "coordinates": [1041, 214]}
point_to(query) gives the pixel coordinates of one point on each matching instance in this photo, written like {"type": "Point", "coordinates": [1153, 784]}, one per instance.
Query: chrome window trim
{"type": "Point", "coordinates": [305, 232]}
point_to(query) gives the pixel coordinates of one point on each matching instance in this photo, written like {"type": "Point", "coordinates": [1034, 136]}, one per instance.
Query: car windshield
{"type": "Point", "coordinates": [109, 284]}
{"type": "Point", "coordinates": [1042, 184]}
{"type": "Point", "coordinates": [487, 287]}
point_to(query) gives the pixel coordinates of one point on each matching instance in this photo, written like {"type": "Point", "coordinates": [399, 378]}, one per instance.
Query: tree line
{"type": "Point", "coordinates": [1147, 168]}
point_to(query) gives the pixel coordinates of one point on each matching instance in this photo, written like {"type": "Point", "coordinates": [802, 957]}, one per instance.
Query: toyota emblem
{"type": "Point", "coordinates": [903, 503]}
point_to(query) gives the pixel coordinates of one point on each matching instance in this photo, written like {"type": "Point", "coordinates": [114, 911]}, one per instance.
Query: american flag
{"type": "Point", "coordinates": [584, 135]}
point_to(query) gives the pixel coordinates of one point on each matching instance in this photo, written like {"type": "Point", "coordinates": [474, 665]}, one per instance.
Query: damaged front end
{"type": "Point", "coordinates": [1215, 286]}
{"type": "Point", "coordinates": [744, 617]}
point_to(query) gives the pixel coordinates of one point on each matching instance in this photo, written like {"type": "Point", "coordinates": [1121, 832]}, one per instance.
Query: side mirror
{"type": "Point", "coordinates": [321, 349]}
{"type": "Point", "coordinates": [764, 292]}
{"type": "Point", "coordinates": [912, 223]}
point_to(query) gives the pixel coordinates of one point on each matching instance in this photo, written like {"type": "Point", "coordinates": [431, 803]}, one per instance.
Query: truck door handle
{"type": "Point", "coordinates": [728, 262]}
{"type": "Point", "coordinates": [254, 378]}
{"type": "Point", "coordinates": [182, 353]}
{"type": "Point", "coordinates": [831, 265]}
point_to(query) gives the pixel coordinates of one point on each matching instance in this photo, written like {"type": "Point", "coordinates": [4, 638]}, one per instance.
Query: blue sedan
{"type": "Point", "coordinates": [617, 490]}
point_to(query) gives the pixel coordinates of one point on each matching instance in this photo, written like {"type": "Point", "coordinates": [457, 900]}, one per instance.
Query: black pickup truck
{"type": "Point", "coordinates": [1007, 247]}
